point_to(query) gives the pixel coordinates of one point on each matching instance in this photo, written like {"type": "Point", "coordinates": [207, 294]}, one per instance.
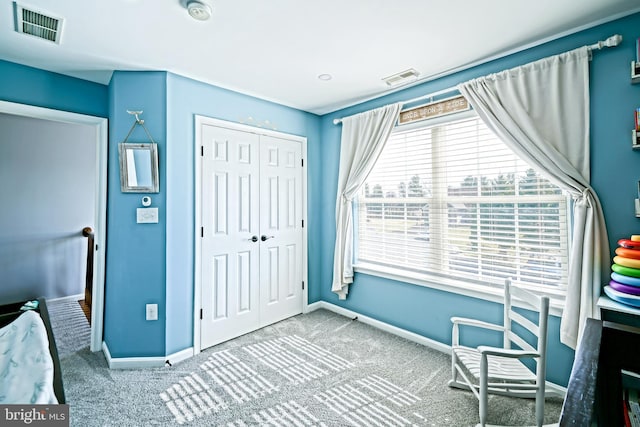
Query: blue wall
{"type": "Point", "coordinates": [427, 311]}
{"type": "Point", "coordinates": [615, 167]}
{"type": "Point", "coordinates": [31, 86]}
{"type": "Point", "coordinates": [186, 98]}
{"type": "Point", "coordinates": [135, 274]}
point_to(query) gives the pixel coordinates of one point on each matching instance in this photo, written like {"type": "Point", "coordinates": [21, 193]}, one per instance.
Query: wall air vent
{"type": "Point", "coordinates": [402, 77]}
{"type": "Point", "coordinates": [37, 24]}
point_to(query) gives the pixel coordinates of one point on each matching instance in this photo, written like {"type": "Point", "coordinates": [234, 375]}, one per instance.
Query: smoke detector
{"type": "Point", "coordinates": [199, 10]}
{"type": "Point", "coordinates": [36, 23]}
{"type": "Point", "coordinates": [402, 77]}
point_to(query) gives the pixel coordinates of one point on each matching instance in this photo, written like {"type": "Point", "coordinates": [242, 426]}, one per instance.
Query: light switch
{"type": "Point", "coordinates": [147, 215]}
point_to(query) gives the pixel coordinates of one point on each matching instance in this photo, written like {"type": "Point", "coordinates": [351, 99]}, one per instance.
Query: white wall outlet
{"type": "Point", "coordinates": [152, 311]}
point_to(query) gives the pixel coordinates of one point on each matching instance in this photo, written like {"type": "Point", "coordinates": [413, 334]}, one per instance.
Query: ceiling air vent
{"type": "Point", "coordinates": [37, 24]}
{"type": "Point", "coordinates": [402, 77]}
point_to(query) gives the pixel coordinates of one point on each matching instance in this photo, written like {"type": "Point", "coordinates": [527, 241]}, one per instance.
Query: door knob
{"type": "Point", "coordinates": [265, 238]}
{"type": "Point", "coordinates": [254, 238]}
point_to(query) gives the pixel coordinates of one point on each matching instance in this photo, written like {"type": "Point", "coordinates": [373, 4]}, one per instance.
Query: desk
{"type": "Point", "coordinates": [613, 311]}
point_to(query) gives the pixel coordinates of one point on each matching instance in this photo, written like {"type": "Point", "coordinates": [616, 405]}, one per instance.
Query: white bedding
{"type": "Point", "coordinates": [26, 367]}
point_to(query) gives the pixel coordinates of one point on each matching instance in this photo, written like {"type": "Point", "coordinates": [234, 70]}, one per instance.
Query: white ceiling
{"type": "Point", "coordinates": [276, 49]}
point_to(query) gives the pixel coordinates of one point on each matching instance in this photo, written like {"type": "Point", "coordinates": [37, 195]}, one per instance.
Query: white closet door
{"type": "Point", "coordinates": [280, 229]}
{"type": "Point", "coordinates": [230, 219]}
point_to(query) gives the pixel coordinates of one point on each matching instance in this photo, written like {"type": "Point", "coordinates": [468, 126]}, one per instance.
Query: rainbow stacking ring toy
{"type": "Point", "coordinates": [624, 286]}
{"type": "Point", "coordinates": [629, 244]}
{"type": "Point", "coordinates": [632, 290]}
{"type": "Point", "coordinates": [625, 280]}
{"type": "Point", "coordinates": [621, 297]}
{"type": "Point", "coordinates": [628, 253]}
{"type": "Point", "coordinates": [626, 271]}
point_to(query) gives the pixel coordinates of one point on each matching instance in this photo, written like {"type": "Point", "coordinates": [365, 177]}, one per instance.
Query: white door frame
{"type": "Point", "coordinates": [197, 293]}
{"type": "Point", "coordinates": [101, 125]}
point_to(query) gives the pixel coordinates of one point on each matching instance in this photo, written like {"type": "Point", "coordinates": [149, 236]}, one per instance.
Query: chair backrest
{"type": "Point", "coordinates": [530, 301]}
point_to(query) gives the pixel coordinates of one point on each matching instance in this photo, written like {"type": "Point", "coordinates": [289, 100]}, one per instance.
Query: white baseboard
{"type": "Point", "coordinates": [132, 362]}
{"type": "Point", "coordinates": [106, 352]}
{"type": "Point", "coordinates": [145, 362]}
{"type": "Point", "coordinates": [77, 297]}
{"type": "Point", "coordinates": [411, 336]}
{"type": "Point", "coordinates": [312, 307]}
{"type": "Point", "coordinates": [555, 390]}
{"type": "Point", "coordinates": [180, 356]}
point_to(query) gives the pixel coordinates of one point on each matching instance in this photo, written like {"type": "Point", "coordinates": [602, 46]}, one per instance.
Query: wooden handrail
{"type": "Point", "coordinates": [88, 288]}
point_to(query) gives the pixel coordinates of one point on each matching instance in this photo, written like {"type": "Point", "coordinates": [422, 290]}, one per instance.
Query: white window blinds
{"type": "Point", "coordinates": [452, 200]}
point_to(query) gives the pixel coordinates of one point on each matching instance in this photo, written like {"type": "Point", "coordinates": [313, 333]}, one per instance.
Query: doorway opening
{"type": "Point", "coordinates": [99, 126]}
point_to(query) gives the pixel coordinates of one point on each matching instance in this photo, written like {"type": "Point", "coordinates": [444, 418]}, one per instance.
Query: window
{"type": "Point", "coordinates": [452, 201]}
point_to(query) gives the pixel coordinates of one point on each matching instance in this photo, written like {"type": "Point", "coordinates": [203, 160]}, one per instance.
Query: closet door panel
{"type": "Point", "coordinates": [230, 218]}
{"type": "Point", "coordinates": [281, 229]}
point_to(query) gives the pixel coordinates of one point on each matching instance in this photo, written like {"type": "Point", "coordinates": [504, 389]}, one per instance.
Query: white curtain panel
{"type": "Point", "coordinates": [364, 136]}
{"type": "Point", "coordinates": [541, 111]}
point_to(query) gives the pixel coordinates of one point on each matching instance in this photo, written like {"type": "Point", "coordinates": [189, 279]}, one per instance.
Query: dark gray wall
{"type": "Point", "coordinates": [47, 196]}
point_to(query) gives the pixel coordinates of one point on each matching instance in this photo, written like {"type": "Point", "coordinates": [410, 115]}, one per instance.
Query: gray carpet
{"type": "Point", "coordinates": [319, 369]}
{"type": "Point", "coordinates": [70, 326]}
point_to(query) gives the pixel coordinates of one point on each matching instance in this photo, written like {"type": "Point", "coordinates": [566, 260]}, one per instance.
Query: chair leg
{"type": "Point", "coordinates": [540, 406]}
{"type": "Point", "coordinates": [454, 371]}
{"type": "Point", "coordinates": [483, 391]}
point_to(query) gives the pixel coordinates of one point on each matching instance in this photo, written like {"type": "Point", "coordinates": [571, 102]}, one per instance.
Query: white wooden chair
{"type": "Point", "coordinates": [500, 370]}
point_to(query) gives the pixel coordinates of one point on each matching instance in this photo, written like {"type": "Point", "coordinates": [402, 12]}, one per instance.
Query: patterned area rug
{"type": "Point", "coordinates": [294, 368]}
{"type": "Point", "coordinates": [319, 369]}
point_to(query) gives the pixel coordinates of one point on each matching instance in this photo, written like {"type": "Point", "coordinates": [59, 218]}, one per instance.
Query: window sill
{"type": "Point", "coordinates": [470, 289]}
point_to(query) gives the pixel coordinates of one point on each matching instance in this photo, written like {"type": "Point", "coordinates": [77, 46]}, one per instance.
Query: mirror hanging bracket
{"type": "Point", "coordinates": [138, 121]}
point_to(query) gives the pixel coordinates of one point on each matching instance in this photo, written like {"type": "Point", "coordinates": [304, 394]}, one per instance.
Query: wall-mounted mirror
{"type": "Point", "coordinates": [138, 168]}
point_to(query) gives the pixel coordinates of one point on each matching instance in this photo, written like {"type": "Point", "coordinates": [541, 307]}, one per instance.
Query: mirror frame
{"type": "Point", "coordinates": [125, 187]}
